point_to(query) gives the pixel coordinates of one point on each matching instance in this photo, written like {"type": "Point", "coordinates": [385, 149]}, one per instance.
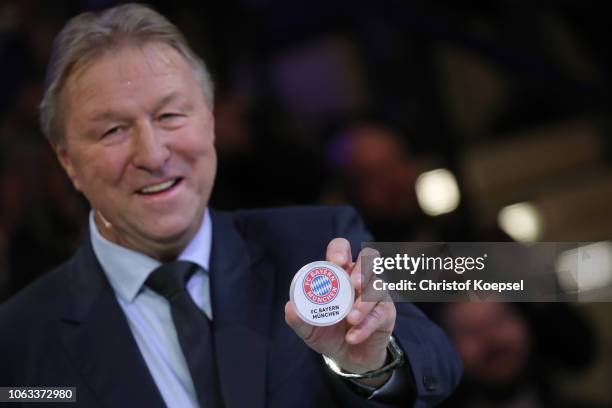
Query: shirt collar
{"type": "Point", "coordinates": [127, 269]}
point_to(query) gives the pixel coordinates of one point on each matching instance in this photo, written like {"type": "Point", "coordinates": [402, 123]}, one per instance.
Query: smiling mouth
{"type": "Point", "coordinates": [160, 187]}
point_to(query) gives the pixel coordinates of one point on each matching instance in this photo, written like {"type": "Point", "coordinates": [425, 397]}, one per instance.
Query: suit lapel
{"type": "Point", "coordinates": [96, 334]}
{"type": "Point", "coordinates": [97, 337]}
{"type": "Point", "coordinates": [241, 292]}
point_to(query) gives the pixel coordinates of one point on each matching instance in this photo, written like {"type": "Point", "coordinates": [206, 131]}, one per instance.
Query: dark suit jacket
{"type": "Point", "coordinates": [67, 329]}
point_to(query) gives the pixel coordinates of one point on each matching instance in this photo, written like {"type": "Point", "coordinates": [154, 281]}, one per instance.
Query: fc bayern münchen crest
{"type": "Point", "coordinates": [321, 293]}
{"type": "Point", "coordinates": [321, 285]}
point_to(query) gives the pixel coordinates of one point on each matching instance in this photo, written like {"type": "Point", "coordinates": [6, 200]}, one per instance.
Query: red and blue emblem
{"type": "Point", "coordinates": [321, 285]}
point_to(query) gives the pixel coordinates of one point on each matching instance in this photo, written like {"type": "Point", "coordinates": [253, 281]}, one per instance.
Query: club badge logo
{"type": "Point", "coordinates": [321, 285]}
{"type": "Point", "coordinates": [321, 293]}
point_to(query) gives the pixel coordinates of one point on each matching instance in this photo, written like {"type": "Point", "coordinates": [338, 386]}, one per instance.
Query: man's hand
{"type": "Point", "coordinates": [358, 343]}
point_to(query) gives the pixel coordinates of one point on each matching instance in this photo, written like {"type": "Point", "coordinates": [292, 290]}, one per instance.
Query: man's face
{"type": "Point", "coordinates": [492, 339]}
{"type": "Point", "coordinates": [139, 145]}
{"type": "Point", "coordinates": [383, 174]}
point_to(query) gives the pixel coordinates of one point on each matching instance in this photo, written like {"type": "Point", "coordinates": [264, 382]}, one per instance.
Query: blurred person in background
{"type": "Point", "coordinates": [261, 164]}
{"type": "Point", "coordinates": [377, 174]}
{"type": "Point", "coordinates": [511, 352]}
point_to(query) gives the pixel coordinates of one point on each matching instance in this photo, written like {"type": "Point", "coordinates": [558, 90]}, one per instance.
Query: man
{"type": "Point", "coordinates": [513, 353]}
{"type": "Point", "coordinates": [378, 176]}
{"type": "Point", "coordinates": [127, 110]}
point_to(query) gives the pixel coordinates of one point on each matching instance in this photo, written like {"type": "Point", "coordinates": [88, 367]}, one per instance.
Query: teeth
{"type": "Point", "coordinates": [157, 187]}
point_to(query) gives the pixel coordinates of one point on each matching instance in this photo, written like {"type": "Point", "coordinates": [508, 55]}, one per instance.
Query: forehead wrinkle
{"type": "Point", "coordinates": [77, 89]}
{"type": "Point", "coordinates": [160, 59]}
{"type": "Point", "coordinates": [156, 60]}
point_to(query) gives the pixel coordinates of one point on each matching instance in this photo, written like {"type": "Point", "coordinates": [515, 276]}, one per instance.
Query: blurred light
{"type": "Point", "coordinates": [585, 268]}
{"type": "Point", "coordinates": [521, 221]}
{"type": "Point", "coordinates": [437, 192]}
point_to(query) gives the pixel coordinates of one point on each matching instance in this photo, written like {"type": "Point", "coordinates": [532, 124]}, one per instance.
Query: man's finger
{"type": "Point", "coordinates": [339, 252]}
{"type": "Point", "coordinates": [364, 306]}
{"type": "Point", "coordinates": [301, 328]}
{"type": "Point", "coordinates": [381, 317]}
{"type": "Point", "coordinates": [361, 277]}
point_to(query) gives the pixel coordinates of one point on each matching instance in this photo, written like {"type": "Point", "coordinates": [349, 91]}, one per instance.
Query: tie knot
{"type": "Point", "coordinates": [171, 278]}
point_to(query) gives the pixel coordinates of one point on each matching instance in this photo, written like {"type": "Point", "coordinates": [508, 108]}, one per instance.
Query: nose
{"type": "Point", "coordinates": [150, 149]}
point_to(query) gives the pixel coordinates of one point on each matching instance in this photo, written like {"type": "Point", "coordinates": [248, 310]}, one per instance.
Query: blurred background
{"type": "Point", "coordinates": [438, 120]}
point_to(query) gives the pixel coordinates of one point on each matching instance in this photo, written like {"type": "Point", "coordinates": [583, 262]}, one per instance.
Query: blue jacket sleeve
{"type": "Point", "coordinates": [433, 369]}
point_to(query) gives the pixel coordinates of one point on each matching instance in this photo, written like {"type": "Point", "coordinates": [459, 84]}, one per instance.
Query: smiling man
{"type": "Point", "coordinates": [139, 145]}
{"type": "Point", "coordinates": [168, 303]}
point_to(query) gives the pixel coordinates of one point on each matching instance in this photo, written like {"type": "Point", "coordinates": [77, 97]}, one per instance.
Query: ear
{"type": "Point", "coordinates": [61, 151]}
